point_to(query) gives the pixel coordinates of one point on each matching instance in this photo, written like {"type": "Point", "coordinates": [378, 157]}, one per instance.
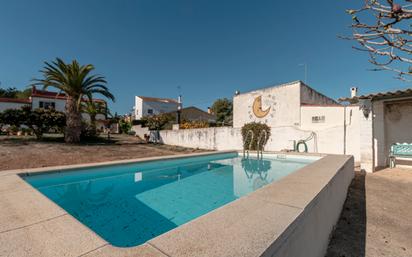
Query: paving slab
{"type": "Point", "coordinates": [25, 207]}
{"type": "Point", "coordinates": [246, 227]}
{"type": "Point", "coordinates": [61, 236]}
{"type": "Point", "coordinates": [144, 250]}
{"type": "Point", "coordinates": [12, 182]}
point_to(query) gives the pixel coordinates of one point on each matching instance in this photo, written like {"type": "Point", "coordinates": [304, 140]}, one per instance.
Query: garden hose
{"type": "Point", "coordinates": [312, 136]}
{"type": "Point", "coordinates": [299, 143]}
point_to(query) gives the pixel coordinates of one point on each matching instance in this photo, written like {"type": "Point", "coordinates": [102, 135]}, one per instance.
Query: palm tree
{"type": "Point", "coordinates": [92, 108]}
{"type": "Point", "coordinates": [78, 84]}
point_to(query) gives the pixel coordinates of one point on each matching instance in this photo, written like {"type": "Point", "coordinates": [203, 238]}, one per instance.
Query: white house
{"type": "Point", "coordinates": [12, 103]}
{"type": "Point", "coordinates": [148, 106]}
{"type": "Point", "coordinates": [47, 99]}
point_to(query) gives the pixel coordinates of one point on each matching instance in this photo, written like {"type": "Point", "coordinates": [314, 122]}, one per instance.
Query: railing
{"type": "Point", "coordinates": [260, 144]}
{"type": "Point", "coordinates": [250, 132]}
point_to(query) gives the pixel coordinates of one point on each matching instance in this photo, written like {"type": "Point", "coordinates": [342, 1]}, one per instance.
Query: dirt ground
{"type": "Point", "coordinates": [19, 153]}
{"type": "Point", "coordinates": [377, 217]}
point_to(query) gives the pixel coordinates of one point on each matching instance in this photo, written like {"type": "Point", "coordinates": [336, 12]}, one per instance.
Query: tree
{"type": "Point", "coordinates": [92, 108]}
{"type": "Point", "coordinates": [42, 120]}
{"type": "Point", "coordinates": [12, 117]}
{"type": "Point", "coordinates": [10, 92]}
{"type": "Point", "coordinates": [223, 109]}
{"type": "Point", "coordinates": [382, 29]}
{"type": "Point", "coordinates": [159, 122]}
{"type": "Point", "coordinates": [76, 82]}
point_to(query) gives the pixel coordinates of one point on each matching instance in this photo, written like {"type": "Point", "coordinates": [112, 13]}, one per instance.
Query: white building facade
{"type": "Point", "coordinates": [365, 128]}
{"type": "Point", "coordinates": [149, 106]}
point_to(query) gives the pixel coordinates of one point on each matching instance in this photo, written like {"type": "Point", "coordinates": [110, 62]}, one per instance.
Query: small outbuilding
{"type": "Point", "coordinates": [386, 119]}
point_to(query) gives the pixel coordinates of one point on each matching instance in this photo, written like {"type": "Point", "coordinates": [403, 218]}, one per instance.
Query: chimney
{"type": "Point", "coordinates": [353, 92]}
{"type": "Point", "coordinates": [209, 110]}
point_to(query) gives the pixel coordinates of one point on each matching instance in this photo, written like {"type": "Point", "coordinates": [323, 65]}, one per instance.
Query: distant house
{"type": "Point", "coordinates": [13, 103]}
{"type": "Point", "coordinates": [148, 106]}
{"type": "Point", "coordinates": [47, 99]}
{"type": "Point", "coordinates": [192, 113]}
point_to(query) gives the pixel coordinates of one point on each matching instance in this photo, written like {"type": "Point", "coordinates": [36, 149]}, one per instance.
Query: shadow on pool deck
{"type": "Point", "coordinates": [349, 237]}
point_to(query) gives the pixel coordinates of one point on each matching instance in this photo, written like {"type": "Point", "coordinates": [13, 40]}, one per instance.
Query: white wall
{"type": "Point", "coordinates": [283, 101]}
{"type": "Point", "coordinates": [59, 103]}
{"type": "Point", "coordinates": [142, 106]}
{"type": "Point", "coordinates": [140, 131]}
{"type": "Point", "coordinates": [7, 105]}
{"type": "Point", "coordinates": [329, 140]}
{"type": "Point", "coordinates": [138, 108]}
{"type": "Point", "coordinates": [331, 132]}
{"type": "Point", "coordinates": [310, 96]}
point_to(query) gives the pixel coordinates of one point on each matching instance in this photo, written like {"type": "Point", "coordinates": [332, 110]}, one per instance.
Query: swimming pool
{"type": "Point", "coordinates": [129, 204]}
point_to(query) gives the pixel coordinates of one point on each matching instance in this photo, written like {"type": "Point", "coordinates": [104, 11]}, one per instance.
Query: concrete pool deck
{"type": "Point", "coordinates": [291, 217]}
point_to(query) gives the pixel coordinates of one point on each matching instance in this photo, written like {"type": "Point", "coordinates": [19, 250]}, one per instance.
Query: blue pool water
{"type": "Point", "coordinates": [129, 204]}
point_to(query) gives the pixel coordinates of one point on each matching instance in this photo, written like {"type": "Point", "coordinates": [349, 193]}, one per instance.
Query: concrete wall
{"type": "Point", "coordinates": [328, 140]}
{"type": "Point", "coordinates": [309, 235]}
{"type": "Point", "coordinates": [283, 101]}
{"type": "Point", "coordinates": [310, 96]}
{"type": "Point", "coordinates": [331, 132]}
{"type": "Point", "coordinates": [140, 131]}
{"type": "Point", "coordinates": [222, 138]}
{"type": "Point", "coordinates": [7, 105]}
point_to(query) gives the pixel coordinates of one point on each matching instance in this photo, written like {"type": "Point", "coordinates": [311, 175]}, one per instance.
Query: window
{"type": "Point", "coordinates": [318, 119]}
{"type": "Point", "coordinates": [149, 111]}
{"type": "Point", "coordinates": [47, 105]}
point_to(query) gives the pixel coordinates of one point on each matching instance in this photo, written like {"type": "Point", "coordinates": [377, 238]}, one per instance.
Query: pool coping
{"type": "Point", "coordinates": [31, 223]}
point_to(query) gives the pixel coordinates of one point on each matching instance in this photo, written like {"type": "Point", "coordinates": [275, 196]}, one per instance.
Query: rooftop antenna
{"type": "Point", "coordinates": [306, 71]}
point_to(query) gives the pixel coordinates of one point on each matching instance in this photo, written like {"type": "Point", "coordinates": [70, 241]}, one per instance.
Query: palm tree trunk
{"type": "Point", "coordinates": [73, 122]}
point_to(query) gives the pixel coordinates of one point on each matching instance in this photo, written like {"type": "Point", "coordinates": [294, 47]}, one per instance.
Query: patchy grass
{"type": "Point", "coordinates": [27, 152]}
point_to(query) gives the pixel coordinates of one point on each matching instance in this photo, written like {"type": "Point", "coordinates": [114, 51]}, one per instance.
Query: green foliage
{"type": "Point", "coordinates": [159, 122]}
{"type": "Point", "coordinates": [12, 117]}
{"type": "Point", "coordinates": [125, 126]}
{"type": "Point", "coordinates": [77, 82]}
{"type": "Point", "coordinates": [223, 109]}
{"type": "Point", "coordinates": [10, 92]}
{"type": "Point", "coordinates": [13, 92]}
{"type": "Point", "coordinates": [73, 79]}
{"type": "Point", "coordinates": [24, 94]}
{"type": "Point", "coordinates": [257, 129]}
{"type": "Point", "coordinates": [39, 120]}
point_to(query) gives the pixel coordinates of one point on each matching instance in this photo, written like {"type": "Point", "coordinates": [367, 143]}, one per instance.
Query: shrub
{"type": "Point", "coordinates": [257, 129]}
{"type": "Point", "coordinates": [42, 121]}
{"type": "Point", "coordinates": [39, 121]}
{"type": "Point", "coordinates": [159, 122]}
{"type": "Point", "coordinates": [125, 126]}
{"type": "Point", "coordinates": [194, 124]}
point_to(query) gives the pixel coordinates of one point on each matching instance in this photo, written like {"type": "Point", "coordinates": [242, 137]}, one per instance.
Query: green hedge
{"type": "Point", "coordinates": [257, 129]}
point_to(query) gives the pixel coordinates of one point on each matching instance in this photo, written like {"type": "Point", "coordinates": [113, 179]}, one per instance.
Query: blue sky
{"type": "Point", "coordinates": [210, 48]}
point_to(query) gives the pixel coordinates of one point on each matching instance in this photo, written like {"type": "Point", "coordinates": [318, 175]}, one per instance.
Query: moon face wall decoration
{"type": "Point", "coordinates": [257, 108]}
